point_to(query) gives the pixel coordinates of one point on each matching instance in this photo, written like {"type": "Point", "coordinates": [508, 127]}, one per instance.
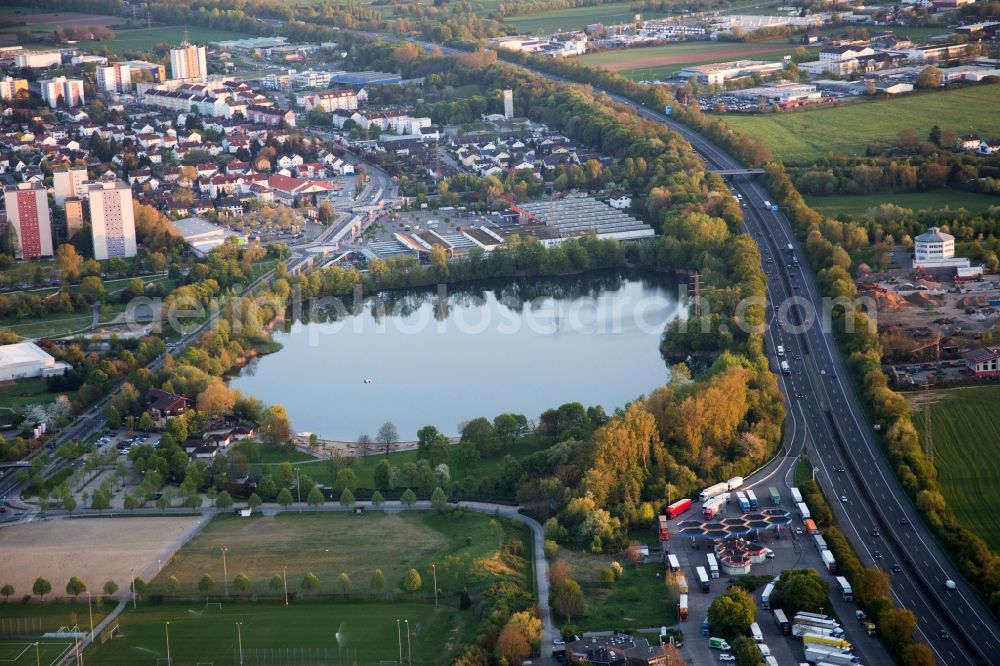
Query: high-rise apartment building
{"type": "Point", "coordinates": [74, 215]}
{"type": "Point", "coordinates": [61, 91]}
{"type": "Point", "coordinates": [9, 87]}
{"type": "Point", "coordinates": [115, 78]}
{"type": "Point", "coordinates": [28, 214]}
{"type": "Point", "coordinates": [68, 183]}
{"type": "Point", "coordinates": [112, 223]}
{"type": "Point", "coordinates": [188, 62]}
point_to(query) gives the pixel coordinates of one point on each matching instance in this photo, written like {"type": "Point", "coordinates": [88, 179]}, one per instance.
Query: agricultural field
{"type": "Point", "coordinates": [464, 546]}
{"type": "Point", "coordinates": [655, 62]}
{"type": "Point", "coordinates": [855, 205]}
{"type": "Point", "coordinates": [577, 18]}
{"type": "Point", "coordinates": [965, 424]}
{"type": "Point", "coordinates": [142, 39]}
{"type": "Point", "coordinates": [805, 136]}
{"type": "Point", "coordinates": [346, 633]}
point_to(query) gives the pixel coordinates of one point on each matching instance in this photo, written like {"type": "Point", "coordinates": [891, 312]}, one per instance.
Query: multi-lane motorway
{"type": "Point", "coordinates": [828, 420]}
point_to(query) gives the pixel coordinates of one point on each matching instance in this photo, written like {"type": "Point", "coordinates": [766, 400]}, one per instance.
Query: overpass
{"type": "Point", "coordinates": [738, 172]}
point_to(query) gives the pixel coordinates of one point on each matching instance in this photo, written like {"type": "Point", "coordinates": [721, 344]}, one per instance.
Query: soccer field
{"type": "Point", "coordinates": [805, 136]}
{"type": "Point", "coordinates": [300, 634]}
{"type": "Point", "coordinates": [965, 423]}
{"type": "Point", "coordinates": [25, 653]}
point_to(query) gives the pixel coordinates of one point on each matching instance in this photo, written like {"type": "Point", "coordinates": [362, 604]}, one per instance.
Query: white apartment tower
{"type": "Point", "coordinates": [68, 183]}
{"type": "Point", "coordinates": [112, 223]}
{"type": "Point", "coordinates": [61, 91]}
{"type": "Point", "coordinates": [115, 78]}
{"type": "Point", "coordinates": [188, 62]}
{"type": "Point", "coordinates": [508, 104]}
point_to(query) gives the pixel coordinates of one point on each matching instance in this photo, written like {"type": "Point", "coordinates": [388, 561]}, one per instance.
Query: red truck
{"type": "Point", "coordinates": [677, 508]}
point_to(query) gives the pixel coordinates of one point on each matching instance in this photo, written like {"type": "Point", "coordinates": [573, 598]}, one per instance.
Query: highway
{"type": "Point", "coordinates": [828, 420]}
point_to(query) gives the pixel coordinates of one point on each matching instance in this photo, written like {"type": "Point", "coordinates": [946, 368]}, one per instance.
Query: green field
{"type": "Point", "coordinates": [347, 633]}
{"type": "Point", "coordinates": [855, 205]}
{"type": "Point", "coordinates": [804, 136]}
{"type": "Point", "coordinates": [966, 426]}
{"type": "Point", "coordinates": [48, 652]}
{"type": "Point", "coordinates": [23, 392]}
{"type": "Point", "coordinates": [143, 40]}
{"type": "Point", "coordinates": [463, 546]}
{"type": "Point", "coordinates": [577, 18]}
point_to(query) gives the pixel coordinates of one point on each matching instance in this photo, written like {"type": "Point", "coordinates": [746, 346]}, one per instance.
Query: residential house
{"type": "Point", "coordinates": [162, 406]}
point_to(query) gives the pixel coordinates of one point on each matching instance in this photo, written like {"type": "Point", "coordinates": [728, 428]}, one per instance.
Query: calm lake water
{"type": "Point", "coordinates": [441, 357]}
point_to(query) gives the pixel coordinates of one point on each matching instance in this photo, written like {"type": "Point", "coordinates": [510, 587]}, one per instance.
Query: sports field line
{"type": "Point", "coordinates": [27, 656]}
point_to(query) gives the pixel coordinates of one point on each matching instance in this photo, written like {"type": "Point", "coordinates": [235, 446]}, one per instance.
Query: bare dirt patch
{"type": "Point", "coordinates": [721, 55]}
{"type": "Point", "coordinates": [96, 549]}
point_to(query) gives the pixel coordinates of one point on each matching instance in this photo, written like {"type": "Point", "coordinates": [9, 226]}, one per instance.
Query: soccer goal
{"type": "Point", "coordinates": [213, 605]}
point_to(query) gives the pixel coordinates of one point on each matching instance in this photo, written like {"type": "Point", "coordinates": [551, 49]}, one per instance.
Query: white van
{"type": "Point", "coordinates": [781, 350]}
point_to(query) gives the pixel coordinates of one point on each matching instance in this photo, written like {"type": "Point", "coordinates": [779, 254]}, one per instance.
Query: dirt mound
{"type": "Point", "coordinates": [922, 299]}
{"type": "Point", "coordinates": [972, 301]}
{"type": "Point", "coordinates": [889, 300]}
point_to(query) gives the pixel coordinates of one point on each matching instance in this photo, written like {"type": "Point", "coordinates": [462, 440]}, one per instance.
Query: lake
{"type": "Point", "coordinates": [443, 356]}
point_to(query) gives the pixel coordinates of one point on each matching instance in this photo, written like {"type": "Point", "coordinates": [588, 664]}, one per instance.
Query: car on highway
{"type": "Point", "coordinates": [875, 533]}
{"type": "Point", "coordinates": [895, 568]}
{"type": "Point", "coordinates": [840, 468]}
{"type": "Point", "coordinates": [843, 498]}
{"type": "Point", "coordinates": [725, 656]}
{"type": "Point", "coordinates": [798, 530]}
{"type": "Point", "coordinates": [904, 521]}
{"type": "Point", "coordinates": [943, 635]}
{"type": "Point", "coordinates": [949, 584]}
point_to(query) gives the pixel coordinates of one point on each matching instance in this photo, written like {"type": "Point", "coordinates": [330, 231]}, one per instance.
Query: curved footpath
{"type": "Point", "coordinates": [541, 566]}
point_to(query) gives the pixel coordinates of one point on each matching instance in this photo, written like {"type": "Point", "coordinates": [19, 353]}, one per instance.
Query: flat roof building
{"type": "Point", "coordinates": [26, 359]}
{"type": "Point", "coordinates": [719, 72]}
{"type": "Point", "coordinates": [201, 235]}
{"type": "Point", "coordinates": [584, 215]}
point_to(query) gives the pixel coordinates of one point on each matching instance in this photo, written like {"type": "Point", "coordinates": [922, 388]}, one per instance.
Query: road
{"type": "Point", "coordinates": [830, 423]}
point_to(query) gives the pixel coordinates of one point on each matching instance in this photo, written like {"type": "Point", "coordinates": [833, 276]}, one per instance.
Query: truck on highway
{"type": "Point", "coordinates": [790, 248]}
{"type": "Point", "coordinates": [821, 654]}
{"type": "Point", "coordinates": [771, 661]}
{"type": "Point", "coordinates": [845, 589]}
{"type": "Point", "coordinates": [765, 596]}
{"type": "Point", "coordinates": [718, 643]}
{"type": "Point", "coordinates": [744, 502]}
{"type": "Point", "coordinates": [803, 510]}
{"type": "Point", "coordinates": [810, 526]}
{"type": "Point", "coordinates": [673, 562]}
{"type": "Point", "coordinates": [752, 498]}
{"type": "Point", "coordinates": [713, 506]}
{"type": "Point", "coordinates": [811, 638]}
{"type": "Point", "coordinates": [820, 543]}
{"type": "Point", "coordinates": [664, 531]}
{"type": "Point", "coordinates": [678, 507]}
{"type": "Point", "coordinates": [734, 483]}
{"type": "Point", "coordinates": [713, 566]}
{"type": "Point", "coordinates": [782, 621]}
{"type": "Point", "coordinates": [775, 495]}
{"type": "Point", "coordinates": [796, 496]}
{"type": "Point", "coordinates": [829, 561]}
{"type": "Point", "coordinates": [682, 608]}
{"type": "Point", "coordinates": [756, 633]}
{"type": "Point", "coordinates": [712, 491]}
{"type": "Point", "coordinates": [816, 621]}
{"type": "Point", "coordinates": [703, 579]}
{"type": "Point", "coordinates": [801, 627]}
{"type": "Point", "coordinates": [785, 368]}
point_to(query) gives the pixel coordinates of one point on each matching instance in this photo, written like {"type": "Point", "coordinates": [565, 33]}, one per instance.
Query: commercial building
{"type": "Point", "coordinates": [364, 79]}
{"type": "Point", "coordinates": [61, 91]}
{"type": "Point", "coordinates": [188, 62]}
{"type": "Point", "coordinates": [581, 216]}
{"type": "Point", "coordinates": [112, 222]}
{"type": "Point", "coordinates": [38, 59]}
{"type": "Point", "coordinates": [936, 249]}
{"type": "Point", "coordinates": [26, 359]}
{"type": "Point", "coordinates": [202, 236]}
{"type": "Point", "coordinates": [983, 362]}
{"type": "Point", "coordinates": [9, 87]}
{"type": "Point", "coordinates": [68, 182]}
{"type": "Point", "coordinates": [28, 213]}
{"type": "Point", "coordinates": [785, 94]}
{"type": "Point", "coordinates": [720, 72]}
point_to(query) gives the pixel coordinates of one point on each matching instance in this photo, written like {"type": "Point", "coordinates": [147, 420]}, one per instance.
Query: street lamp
{"type": "Point", "coordinates": [284, 579]}
{"type": "Point", "coordinates": [409, 655]}
{"type": "Point", "coordinates": [133, 589]}
{"type": "Point", "coordinates": [225, 572]}
{"type": "Point", "coordinates": [38, 658]}
{"type": "Point", "coordinates": [298, 488]}
{"type": "Point", "coordinates": [166, 628]}
{"type": "Point", "coordinates": [399, 638]}
{"type": "Point", "coordinates": [434, 569]}
{"type": "Point", "coordinates": [239, 638]}
{"type": "Point", "coordinates": [90, 611]}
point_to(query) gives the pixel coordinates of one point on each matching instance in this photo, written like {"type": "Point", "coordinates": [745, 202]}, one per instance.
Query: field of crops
{"type": "Point", "coordinates": [854, 205]}
{"type": "Point", "coordinates": [965, 423]}
{"type": "Point", "coordinates": [804, 136]}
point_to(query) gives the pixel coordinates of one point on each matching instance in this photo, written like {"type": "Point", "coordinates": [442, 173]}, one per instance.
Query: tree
{"type": "Point", "coordinates": [110, 588]}
{"type": "Point", "coordinates": [382, 475]}
{"type": "Point", "coordinates": [92, 289]}
{"type": "Point", "coordinates": [7, 590]}
{"type": "Point", "coordinates": [465, 601]}
{"type": "Point", "coordinates": [206, 584]}
{"type": "Point", "coordinates": [173, 585]}
{"type": "Point", "coordinates": [343, 582]}
{"type": "Point", "coordinates": [929, 77]}
{"type": "Point", "coordinates": [378, 581]}
{"type": "Point", "coordinates": [377, 499]}
{"type": "Point", "coordinates": [347, 498]}
{"type": "Point", "coordinates": [732, 613]}
{"type": "Point", "coordinates": [310, 582]}
{"type": "Point", "coordinates": [216, 400]}
{"type": "Point", "coordinates": [568, 599]}
{"type": "Point", "coordinates": [285, 497]}
{"type": "Point", "coordinates": [146, 422]}
{"type": "Point", "coordinates": [408, 498]}
{"type": "Point", "coordinates": [870, 584]}
{"type": "Point", "coordinates": [254, 501]}
{"type": "Point", "coordinates": [224, 500]}
{"type": "Point", "coordinates": [241, 583]}
{"type": "Point", "coordinates": [140, 585]}
{"type": "Point", "coordinates": [896, 627]}
{"type": "Point", "coordinates": [76, 586]}
{"type": "Point", "coordinates": [935, 135]}
{"type": "Point", "coordinates": [387, 436]}
{"type": "Point", "coordinates": [512, 645]}
{"type": "Point", "coordinates": [275, 427]}
{"type": "Point", "coordinates": [801, 589]}
{"type": "Point", "coordinates": [439, 500]}
{"type": "Point", "coordinates": [363, 446]}
{"type": "Point", "coordinates": [112, 417]}
{"type": "Point", "coordinates": [412, 581]}
{"type": "Point", "coordinates": [276, 584]}
{"type": "Point", "coordinates": [918, 654]}
{"type": "Point", "coordinates": [69, 263]}
{"type": "Point", "coordinates": [41, 587]}
{"type": "Point", "coordinates": [315, 497]}
{"type": "Point", "coordinates": [346, 479]}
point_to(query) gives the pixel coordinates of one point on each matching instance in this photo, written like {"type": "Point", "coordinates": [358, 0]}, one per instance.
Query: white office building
{"type": "Point", "coordinates": [936, 249]}
{"type": "Point", "coordinates": [112, 222]}
{"type": "Point", "coordinates": [26, 359]}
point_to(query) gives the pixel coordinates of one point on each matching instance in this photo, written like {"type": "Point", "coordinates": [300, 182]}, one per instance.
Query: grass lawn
{"type": "Point", "coordinates": [304, 634]}
{"type": "Point", "coordinates": [18, 652]}
{"type": "Point", "coordinates": [25, 392]}
{"type": "Point", "coordinates": [578, 18]}
{"type": "Point", "coordinates": [330, 543]}
{"type": "Point", "coordinates": [966, 426]}
{"type": "Point", "coordinates": [854, 205]}
{"type": "Point", "coordinates": [639, 599]}
{"type": "Point", "coordinates": [143, 40]}
{"type": "Point", "coordinates": [805, 136]}
{"type": "Point", "coordinates": [39, 618]}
